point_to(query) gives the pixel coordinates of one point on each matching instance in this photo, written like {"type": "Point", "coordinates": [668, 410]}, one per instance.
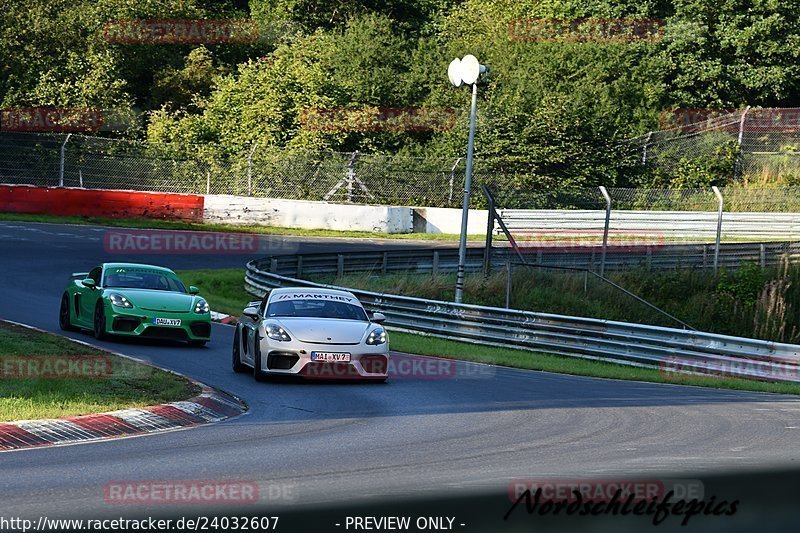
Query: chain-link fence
{"type": "Point", "coordinates": [96, 162]}
{"type": "Point", "coordinates": [759, 146]}
{"type": "Point", "coordinates": [620, 229]}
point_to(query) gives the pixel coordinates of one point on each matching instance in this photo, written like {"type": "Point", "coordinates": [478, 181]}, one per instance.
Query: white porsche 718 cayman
{"type": "Point", "coordinates": [312, 333]}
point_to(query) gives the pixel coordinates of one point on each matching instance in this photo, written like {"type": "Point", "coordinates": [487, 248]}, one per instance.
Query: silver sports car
{"type": "Point", "coordinates": [313, 333]}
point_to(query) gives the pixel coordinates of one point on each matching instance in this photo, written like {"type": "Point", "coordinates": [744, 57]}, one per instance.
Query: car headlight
{"type": "Point", "coordinates": [377, 336]}
{"type": "Point", "coordinates": [201, 307]}
{"type": "Point", "coordinates": [277, 333]}
{"type": "Point", "coordinates": [118, 300]}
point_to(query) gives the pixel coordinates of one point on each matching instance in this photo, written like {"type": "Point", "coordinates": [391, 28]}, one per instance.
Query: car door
{"type": "Point", "coordinates": [88, 297]}
{"type": "Point", "coordinates": [248, 333]}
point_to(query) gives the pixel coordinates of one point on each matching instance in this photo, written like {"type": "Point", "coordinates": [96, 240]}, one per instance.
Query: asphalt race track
{"type": "Point", "coordinates": [325, 445]}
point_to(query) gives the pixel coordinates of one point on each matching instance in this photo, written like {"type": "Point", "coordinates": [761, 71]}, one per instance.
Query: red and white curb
{"type": "Point", "coordinates": [222, 318]}
{"type": "Point", "coordinates": [211, 405]}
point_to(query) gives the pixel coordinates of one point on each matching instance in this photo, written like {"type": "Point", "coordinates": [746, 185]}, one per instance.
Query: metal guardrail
{"type": "Point", "coordinates": [667, 257]}
{"type": "Point", "coordinates": [654, 225]}
{"type": "Point", "coordinates": [669, 349]}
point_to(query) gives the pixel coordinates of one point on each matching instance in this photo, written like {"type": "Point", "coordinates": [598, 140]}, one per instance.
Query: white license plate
{"type": "Point", "coordinates": [330, 357]}
{"type": "Point", "coordinates": [167, 321]}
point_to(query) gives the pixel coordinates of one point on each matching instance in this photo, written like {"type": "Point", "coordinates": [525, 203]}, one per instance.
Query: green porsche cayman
{"type": "Point", "coordinates": [135, 300]}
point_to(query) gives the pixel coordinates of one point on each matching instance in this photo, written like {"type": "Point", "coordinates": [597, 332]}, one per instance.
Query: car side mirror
{"type": "Point", "coordinates": [89, 282]}
{"type": "Point", "coordinates": [251, 312]}
{"type": "Point", "coordinates": [193, 290]}
{"type": "Point", "coordinates": [378, 317]}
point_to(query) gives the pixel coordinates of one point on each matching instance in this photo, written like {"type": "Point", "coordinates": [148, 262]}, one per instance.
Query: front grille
{"type": "Point", "coordinates": [375, 364]}
{"type": "Point", "coordinates": [281, 360]}
{"type": "Point", "coordinates": [156, 332]}
{"type": "Point", "coordinates": [329, 371]}
{"type": "Point", "coordinates": [201, 329]}
{"type": "Point", "coordinates": [126, 324]}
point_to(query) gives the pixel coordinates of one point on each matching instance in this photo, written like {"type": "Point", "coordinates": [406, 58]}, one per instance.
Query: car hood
{"type": "Point", "coordinates": [150, 300]}
{"type": "Point", "coordinates": [325, 330]}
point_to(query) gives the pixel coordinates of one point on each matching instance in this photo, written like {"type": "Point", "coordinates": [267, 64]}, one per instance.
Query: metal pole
{"type": "Point", "coordinates": [719, 225]}
{"type": "Point", "coordinates": [80, 178]}
{"type": "Point", "coordinates": [508, 282]}
{"type": "Point", "coordinates": [739, 139]}
{"type": "Point", "coordinates": [351, 175]}
{"type": "Point", "coordinates": [452, 179]}
{"type": "Point", "coordinates": [644, 150]}
{"type": "Point", "coordinates": [462, 242]}
{"type": "Point", "coordinates": [250, 170]}
{"type": "Point", "coordinates": [605, 194]}
{"type": "Point", "coordinates": [61, 169]}
{"type": "Point", "coordinates": [487, 249]}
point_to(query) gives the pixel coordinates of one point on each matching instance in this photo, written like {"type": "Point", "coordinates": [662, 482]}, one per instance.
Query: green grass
{"type": "Point", "coordinates": [128, 384]}
{"type": "Point", "coordinates": [748, 302]}
{"type": "Point", "coordinates": [224, 290]}
{"type": "Point", "coordinates": [143, 223]}
{"type": "Point", "coordinates": [424, 345]}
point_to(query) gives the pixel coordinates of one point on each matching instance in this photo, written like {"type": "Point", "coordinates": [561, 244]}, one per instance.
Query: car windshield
{"type": "Point", "coordinates": [307, 308]}
{"type": "Point", "coordinates": [140, 278]}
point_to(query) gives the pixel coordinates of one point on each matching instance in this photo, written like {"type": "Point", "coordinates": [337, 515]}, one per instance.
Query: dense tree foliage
{"type": "Point", "coordinates": [553, 111]}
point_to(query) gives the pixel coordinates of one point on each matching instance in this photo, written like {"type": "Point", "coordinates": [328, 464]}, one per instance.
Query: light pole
{"type": "Point", "coordinates": [466, 71]}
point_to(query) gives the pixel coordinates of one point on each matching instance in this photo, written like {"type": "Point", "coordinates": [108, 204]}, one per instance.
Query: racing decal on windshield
{"type": "Point", "coordinates": [313, 296]}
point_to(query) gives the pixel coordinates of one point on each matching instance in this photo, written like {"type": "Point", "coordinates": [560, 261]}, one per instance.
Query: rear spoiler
{"type": "Point", "coordinates": [79, 275]}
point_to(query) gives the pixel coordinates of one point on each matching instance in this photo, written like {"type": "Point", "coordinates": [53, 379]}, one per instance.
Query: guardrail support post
{"type": "Point", "coordinates": [762, 252]}
{"type": "Point", "coordinates": [61, 166]}
{"type": "Point", "coordinates": [719, 226]}
{"type": "Point", "coordinates": [273, 265]}
{"type": "Point", "coordinates": [605, 194]}
{"type": "Point", "coordinates": [340, 265]}
{"type": "Point", "coordinates": [384, 263]}
{"type": "Point", "coordinates": [299, 266]}
{"type": "Point", "coordinates": [435, 265]}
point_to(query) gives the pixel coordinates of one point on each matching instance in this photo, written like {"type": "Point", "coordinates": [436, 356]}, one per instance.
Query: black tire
{"type": "Point", "coordinates": [99, 321]}
{"type": "Point", "coordinates": [64, 321]}
{"type": "Point", "coordinates": [257, 360]}
{"type": "Point", "coordinates": [238, 366]}
{"type": "Point", "coordinates": [197, 344]}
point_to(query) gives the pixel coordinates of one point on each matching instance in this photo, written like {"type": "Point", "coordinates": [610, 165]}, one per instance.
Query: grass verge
{"type": "Point", "coordinates": [47, 376]}
{"type": "Point", "coordinates": [224, 290]}
{"type": "Point", "coordinates": [423, 345]}
{"type": "Point", "coordinates": [146, 223]}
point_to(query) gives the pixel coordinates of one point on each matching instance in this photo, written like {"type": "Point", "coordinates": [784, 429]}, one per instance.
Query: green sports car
{"type": "Point", "coordinates": [135, 300]}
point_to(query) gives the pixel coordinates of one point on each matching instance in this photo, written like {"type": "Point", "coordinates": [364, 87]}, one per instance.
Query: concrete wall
{"type": "Point", "coordinates": [306, 214]}
{"type": "Point", "coordinates": [67, 201]}
{"type": "Point", "coordinates": [448, 220]}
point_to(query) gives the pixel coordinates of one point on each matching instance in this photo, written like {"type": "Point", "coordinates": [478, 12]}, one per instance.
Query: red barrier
{"type": "Point", "coordinates": [100, 203]}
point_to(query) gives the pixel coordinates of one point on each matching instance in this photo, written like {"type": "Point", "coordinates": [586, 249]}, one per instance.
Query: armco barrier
{"type": "Point", "coordinates": [670, 349]}
{"type": "Point", "coordinates": [666, 257]}
{"type": "Point", "coordinates": [100, 203]}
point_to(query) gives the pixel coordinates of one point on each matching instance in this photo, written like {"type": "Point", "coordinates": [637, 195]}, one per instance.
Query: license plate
{"type": "Point", "coordinates": [167, 321]}
{"type": "Point", "coordinates": [330, 357]}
